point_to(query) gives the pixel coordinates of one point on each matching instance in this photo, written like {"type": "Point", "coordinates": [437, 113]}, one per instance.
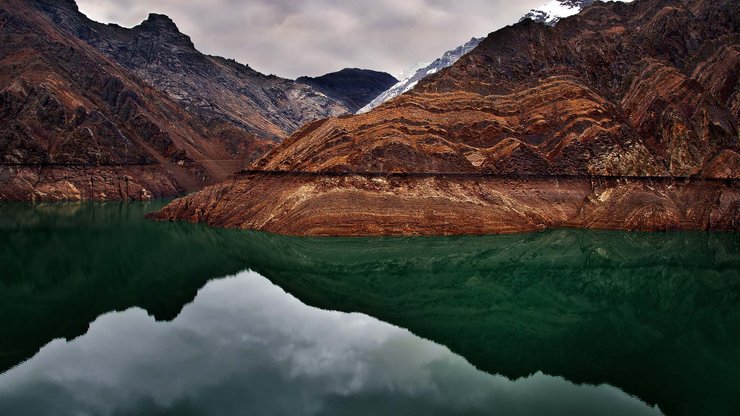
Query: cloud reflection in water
{"type": "Point", "coordinates": [244, 346]}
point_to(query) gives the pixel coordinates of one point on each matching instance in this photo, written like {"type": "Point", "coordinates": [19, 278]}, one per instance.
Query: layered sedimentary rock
{"type": "Point", "coordinates": [364, 205]}
{"type": "Point", "coordinates": [96, 111]}
{"type": "Point", "coordinates": [549, 13]}
{"type": "Point", "coordinates": [642, 95]}
{"type": "Point", "coordinates": [63, 106]}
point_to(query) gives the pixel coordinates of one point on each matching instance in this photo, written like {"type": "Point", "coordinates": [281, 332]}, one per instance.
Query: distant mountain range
{"type": "Point", "coordinates": [549, 13]}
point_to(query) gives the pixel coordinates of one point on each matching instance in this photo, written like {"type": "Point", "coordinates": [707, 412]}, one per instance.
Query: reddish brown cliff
{"type": "Point", "coordinates": [641, 96]}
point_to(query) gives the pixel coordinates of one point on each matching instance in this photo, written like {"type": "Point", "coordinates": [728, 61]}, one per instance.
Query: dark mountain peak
{"type": "Point", "coordinates": [354, 87]}
{"type": "Point", "coordinates": [365, 73]}
{"type": "Point", "coordinates": [164, 28]}
{"type": "Point", "coordinates": [158, 21]}
{"type": "Point", "coordinates": [361, 72]}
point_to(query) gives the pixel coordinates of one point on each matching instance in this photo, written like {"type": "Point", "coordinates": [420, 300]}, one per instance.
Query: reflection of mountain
{"type": "Point", "coordinates": [63, 265]}
{"type": "Point", "coordinates": [266, 353]}
{"type": "Point", "coordinates": [629, 309]}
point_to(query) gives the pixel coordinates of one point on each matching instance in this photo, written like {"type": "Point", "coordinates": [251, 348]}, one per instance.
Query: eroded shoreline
{"type": "Point", "coordinates": [374, 204]}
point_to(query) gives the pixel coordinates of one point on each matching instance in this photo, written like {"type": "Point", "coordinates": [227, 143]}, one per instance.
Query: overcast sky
{"type": "Point", "coordinates": [291, 38]}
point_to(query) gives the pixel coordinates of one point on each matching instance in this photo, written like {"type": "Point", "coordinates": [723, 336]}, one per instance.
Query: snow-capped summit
{"type": "Point", "coordinates": [552, 11]}
{"type": "Point", "coordinates": [549, 13]}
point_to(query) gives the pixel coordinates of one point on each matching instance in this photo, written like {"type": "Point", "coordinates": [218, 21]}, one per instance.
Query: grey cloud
{"type": "Point", "coordinates": [311, 37]}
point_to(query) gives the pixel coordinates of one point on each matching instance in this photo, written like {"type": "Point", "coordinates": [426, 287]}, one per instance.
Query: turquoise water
{"type": "Point", "coordinates": [160, 318]}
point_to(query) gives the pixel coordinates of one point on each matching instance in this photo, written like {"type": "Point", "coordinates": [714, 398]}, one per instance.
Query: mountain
{"type": "Point", "coordinates": [623, 116]}
{"type": "Point", "coordinates": [216, 89]}
{"type": "Point", "coordinates": [549, 14]}
{"type": "Point", "coordinates": [99, 111]}
{"type": "Point", "coordinates": [413, 76]}
{"type": "Point", "coordinates": [351, 86]}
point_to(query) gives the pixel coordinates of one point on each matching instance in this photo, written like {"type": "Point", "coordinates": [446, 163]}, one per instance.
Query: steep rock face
{"type": "Point", "coordinates": [231, 97]}
{"type": "Point", "coordinates": [351, 86]}
{"type": "Point", "coordinates": [64, 106]}
{"type": "Point", "coordinates": [596, 122]}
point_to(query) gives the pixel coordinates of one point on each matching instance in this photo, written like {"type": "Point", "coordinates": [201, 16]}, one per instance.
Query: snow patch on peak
{"type": "Point", "coordinates": [411, 77]}
{"type": "Point", "coordinates": [410, 71]}
{"type": "Point", "coordinates": [551, 12]}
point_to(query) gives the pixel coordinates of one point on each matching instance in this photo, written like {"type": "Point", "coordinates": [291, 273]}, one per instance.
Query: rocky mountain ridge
{"type": "Point", "coordinates": [645, 98]}
{"type": "Point", "coordinates": [95, 111]}
{"type": "Point", "coordinates": [414, 76]}
{"type": "Point", "coordinates": [551, 12]}
{"type": "Point", "coordinates": [219, 90]}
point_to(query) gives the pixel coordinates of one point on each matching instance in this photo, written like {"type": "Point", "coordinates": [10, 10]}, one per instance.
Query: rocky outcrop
{"type": "Point", "coordinates": [616, 93]}
{"type": "Point", "coordinates": [418, 204]}
{"type": "Point", "coordinates": [63, 105]}
{"type": "Point", "coordinates": [75, 183]}
{"type": "Point", "coordinates": [352, 87]}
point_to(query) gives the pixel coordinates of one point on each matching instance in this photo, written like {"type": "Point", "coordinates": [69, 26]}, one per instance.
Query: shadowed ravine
{"type": "Point", "coordinates": [654, 314]}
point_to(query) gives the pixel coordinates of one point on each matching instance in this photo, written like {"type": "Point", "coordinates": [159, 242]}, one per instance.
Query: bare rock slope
{"type": "Point", "coordinates": [93, 111]}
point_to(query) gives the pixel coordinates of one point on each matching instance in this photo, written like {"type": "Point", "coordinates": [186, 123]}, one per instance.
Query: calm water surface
{"type": "Point", "coordinates": [104, 313]}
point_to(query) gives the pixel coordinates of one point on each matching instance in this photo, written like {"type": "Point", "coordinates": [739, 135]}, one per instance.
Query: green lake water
{"type": "Point", "coordinates": [105, 313]}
